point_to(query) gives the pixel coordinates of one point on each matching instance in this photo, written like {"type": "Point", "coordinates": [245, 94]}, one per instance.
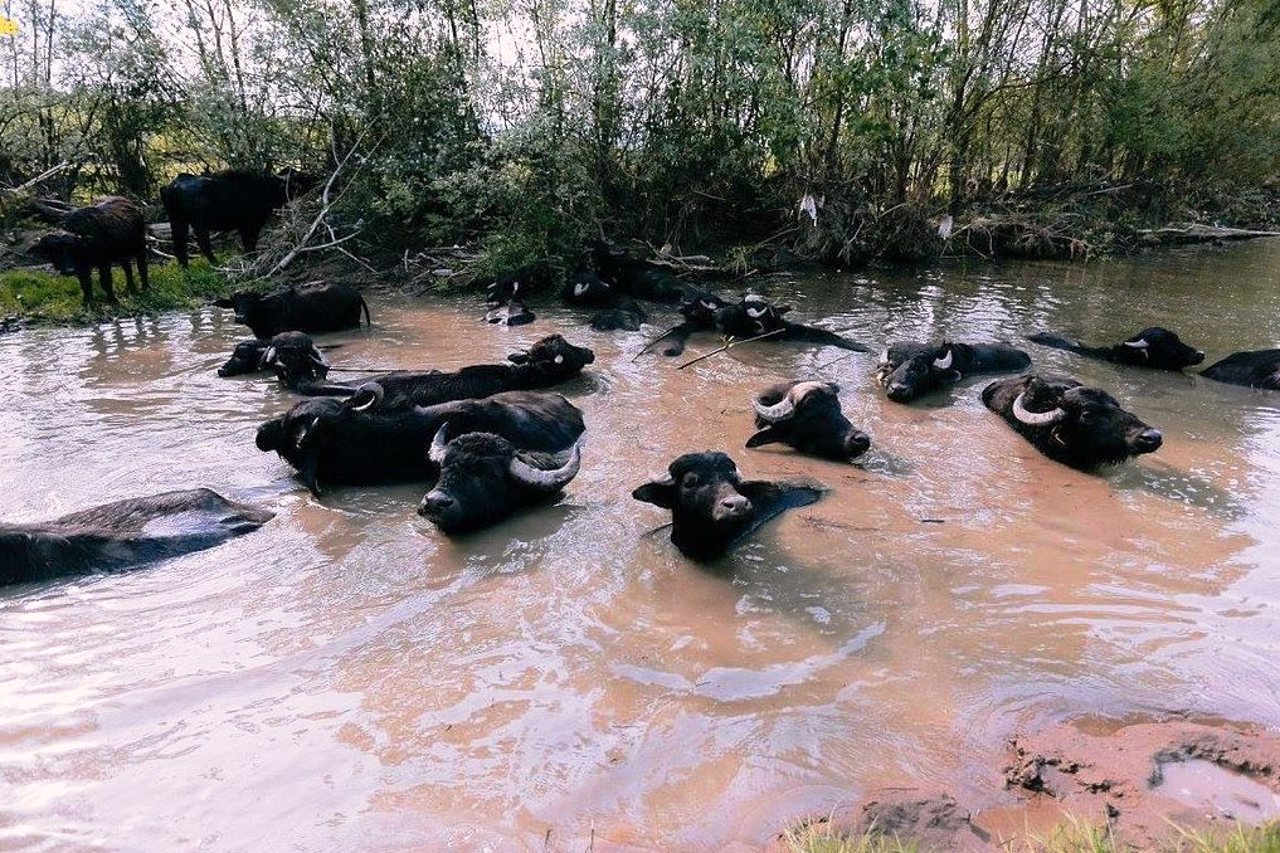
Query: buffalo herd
{"type": "Point", "coordinates": [492, 439]}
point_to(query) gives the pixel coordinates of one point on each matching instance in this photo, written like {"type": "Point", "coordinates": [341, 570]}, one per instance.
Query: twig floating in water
{"type": "Point", "coordinates": [649, 345]}
{"type": "Point", "coordinates": [730, 344]}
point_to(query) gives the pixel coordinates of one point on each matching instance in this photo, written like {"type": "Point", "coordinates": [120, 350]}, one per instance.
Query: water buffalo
{"type": "Point", "coordinates": [1077, 426]}
{"type": "Point", "coordinates": [1254, 369]}
{"type": "Point", "coordinates": [123, 534]}
{"type": "Point", "coordinates": [586, 289]}
{"type": "Point", "coordinates": [807, 416]}
{"type": "Point", "coordinates": [315, 307]}
{"type": "Point", "coordinates": [227, 201]}
{"type": "Point", "coordinates": [713, 508]}
{"type": "Point", "coordinates": [908, 370]}
{"type": "Point", "coordinates": [95, 237]}
{"type": "Point", "coordinates": [502, 291]}
{"type": "Point", "coordinates": [627, 315]}
{"type": "Point", "coordinates": [634, 278]}
{"type": "Point", "coordinates": [513, 312]}
{"type": "Point", "coordinates": [289, 353]}
{"type": "Point", "coordinates": [1154, 347]}
{"type": "Point", "coordinates": [485, 478]}
{"type": "Point", "coordinates": [755, 316]}
{"type": "Point", "coordinates": [699, 310]}
{"type": "Point", "coordinates": [548, 362]}
{"type": "Point", "coordinates": [329, 443]}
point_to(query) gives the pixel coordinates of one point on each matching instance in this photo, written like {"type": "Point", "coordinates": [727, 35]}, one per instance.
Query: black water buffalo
{"type": "Point", "coordinates": [315, 307]}
{"type": "Point", "coordinates": [513, 312]}
{"type": "Point", "coordinates": [502, 291]}
{"type": "Point", "coordinates": [908, 370]}
{"type": "Point", "coordinates": [329, 443]}
{"type": "Point", "coordinates": [95, 237]}
{"type": "Point", "coordinates": [1154, 347]}
{"type": "Point", "coordinates": [485, 478]}
{"type": "Point", "coordinates": [548, 362]}
{"type": "Point", "coordinates": [1077, 426]}
{"type": "Point", "coordinates": [123, 534]}
{"type": "Point", "coordinates": [227, 201]}
{"type": "Point", "coordinates": [1254, 369]}
{"type": "Point", "coordinates": [699, 310]}
{"type": "Point", "coordinates": [627, 316]}
{"type": "Point", "coordinates": [755, 316]}
{"type": "Point", "coordinates": [290, 353]}
{"type": "Point", "coordinates": [633, 277]}
{"type": "Point", "coordinates": [713, 508]}
{"type": "Point", "coordinates": [586, 289]}
{"type": "Point", "coordinates": [807, 416]}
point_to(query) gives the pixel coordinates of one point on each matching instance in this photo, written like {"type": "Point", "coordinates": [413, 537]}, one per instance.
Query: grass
{"type": "Point", "coordinates": [1071, 836]}
{"type": "Point", "coordinates": [42, 297]}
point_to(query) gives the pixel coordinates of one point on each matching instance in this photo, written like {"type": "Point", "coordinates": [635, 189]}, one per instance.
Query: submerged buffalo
{"type": "Point", "coordinates": [292, 354]}
{"type": "Point", "coordinates": [807, 416]}
{"type": "Point", "coordinates": [233, 200]}
{"type": "Point", "coordinates": [331, 444]}
{"type": "Point", "coordinates": [713, 508]}
{"type": "Point", "coordinates": [908, 370]}
{"type": "Point", "coordinates": [315, 307]}
{"type": "Point", "coordinates": [1154, 347]}
{"type": "Point", "coordinates": [484, 478]}
{"type": "Point", "coordinates": [586, 289]}
{"type": "Point", "coordinates": [1253, 369]}
{"type": "Point", "coordinates": [626, 316]}
{"type": "Point", "coordinates": [699, 310]}
{"type": "Point", "coordinates": [510, 313]}
{"type": "Point", "coordinates": [123, 534]}
{"type": "Point", "coordinates": [548, 362]}
{"type": "Point", "coordinates": [95, 237]}
{"type": "Point", "coordinates": [633, 277]}
{"type": "Point", "coordinates": [1077, 426]}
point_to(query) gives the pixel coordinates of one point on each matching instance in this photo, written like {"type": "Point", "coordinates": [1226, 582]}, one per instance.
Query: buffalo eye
{"type": "Point", "coordinates": [1085, 416]}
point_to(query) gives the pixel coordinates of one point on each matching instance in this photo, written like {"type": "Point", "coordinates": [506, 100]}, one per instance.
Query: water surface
{"type": "Point", "coordinates": [346, 678]}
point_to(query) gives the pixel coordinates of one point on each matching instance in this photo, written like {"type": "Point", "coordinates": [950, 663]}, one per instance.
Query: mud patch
{"type": "Point", "coordinates": [1139, 776]}
{"type": "Point", "coordinates": [933, 820]}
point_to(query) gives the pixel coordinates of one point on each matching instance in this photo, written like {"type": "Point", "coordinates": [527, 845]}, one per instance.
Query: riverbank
{"type": "Point", "coordinates": [37, 297]}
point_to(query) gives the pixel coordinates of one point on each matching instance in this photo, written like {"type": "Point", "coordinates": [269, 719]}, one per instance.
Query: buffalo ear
{"type": "Point", "coordinates": [768, 435]}
{"type": "Point", "coordinates": [518, 357]}
{"type": "Point", "coordinates": [660, 493]}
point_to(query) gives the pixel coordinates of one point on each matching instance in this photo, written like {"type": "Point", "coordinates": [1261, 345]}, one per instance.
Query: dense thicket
{"type": "Point", "coordinates": [528, 126]}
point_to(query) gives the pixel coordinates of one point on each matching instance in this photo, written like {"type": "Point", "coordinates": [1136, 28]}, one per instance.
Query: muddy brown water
{"type": "Point", "coordinates": [347, 678]}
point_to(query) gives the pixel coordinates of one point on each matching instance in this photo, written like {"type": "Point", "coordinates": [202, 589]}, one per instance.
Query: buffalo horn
{"type": "Point", "coordinates": [943, 363]}
{"type": "Point", "coordinates": [439, 445]}
{"type": "Point", "coordinates": [553, 480]}
{"type": "Point", "coordinates": [1036, 419]}
{"type": "Point", "coordinates": [375, 392]}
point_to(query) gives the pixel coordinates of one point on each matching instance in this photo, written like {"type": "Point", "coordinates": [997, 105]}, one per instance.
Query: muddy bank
{"type": "Point", "coordinates": [1141, 779]}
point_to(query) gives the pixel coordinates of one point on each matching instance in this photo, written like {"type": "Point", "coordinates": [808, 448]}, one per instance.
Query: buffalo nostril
{"type": "Point", "coordinates": [434, 502]}
{"type": "Point", "coordinates": [1199, 357]}
{"type": "Point", "coordinates": [1150, 439]}
{"type": "Point", "coordinates": [734, 506]}
{"type": "Point", "coordinates": [898, 390]}
{"type": "Point", "coordinates": [858, 442]}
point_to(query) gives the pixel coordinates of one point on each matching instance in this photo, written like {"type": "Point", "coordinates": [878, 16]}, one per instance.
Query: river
{"type": "Point", "coordinates": [347, 678]}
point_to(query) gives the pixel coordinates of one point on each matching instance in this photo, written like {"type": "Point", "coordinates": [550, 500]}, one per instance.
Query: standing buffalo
{"type": "Point", "coordinates": [485, 478]}
{"type": "Point", "coordinates": [548, 362]}
{"type": "Point", "coordinates": [910, 369]}
{"type": "Point", "coordinates": [1154, 347]}
{"type": "Point", "coordinates": [713, 508]}
{"type": "Point", "coordinates": [315, 307]}
{"type": "Point", "coordinates": [227, 201]}
{"type": "Point", "coordinates": [1077, 426]}
{"type": "Point", "coordinates": [97, 236]}
{"type": "Point", "coordinates": [1254, 369]}
{"type": "Point", "coordinates": [807, 416]}
{"type": "Point", "coordinates": [123, 534]}
{"type": "Point", "coordinates": [330, 443]}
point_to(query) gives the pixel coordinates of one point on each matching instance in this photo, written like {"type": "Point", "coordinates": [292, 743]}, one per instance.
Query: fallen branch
{"type": "Point", "coordinates": [1202, 234]}
{"type": "Point", "coordinates": [651, 343]}
{"type": "Point", "coordinates": [730, 344]}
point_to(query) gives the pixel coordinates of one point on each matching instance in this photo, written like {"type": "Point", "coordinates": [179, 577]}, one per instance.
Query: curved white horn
{"type": "Point", "coordinates": [708, 304]}
{"type": "Point", "coordinates": [579, 288]}
{"type": "Point", "coordinates": [944, 363]}
{"type": "Point", "coordinates": [1030, 418]}
{"type": "Point", "coordinates": [1140, 343]}
{"type": "Point", "coordinates": [551, 481]}
{"type": "Point", "coordinates": [439, 445]}
{"type": "Point", "coordinates": [754, 313]}
{"type": "Point", "coordinates": [269, 357]}
{"type": "Point", "coordinates": [371, 388]}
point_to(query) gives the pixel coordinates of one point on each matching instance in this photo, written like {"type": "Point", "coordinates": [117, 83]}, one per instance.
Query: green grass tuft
{"type": "Point", "coordinates": [825, 838]}
{"type": "Point", "coordinates": [45, 298]}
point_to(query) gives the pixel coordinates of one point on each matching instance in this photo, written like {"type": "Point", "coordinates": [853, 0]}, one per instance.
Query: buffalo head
{"type": "Point", "coordinates": [1077, 426]}
{"type": "Point", "coordinates": [908, 370]}
{"type": "Point", "coordinates": [484, 478]}
{"type": "Point", "coordinates": [59, 248]}
{"type": "Point", "coordinates": [1158, 348]}
{"type": "Point", "coordinates": [807, 416]}
{"type": "Point", "coordinates": [556, 354]}
{"type": "Point", "coordinates": [712, 507]}
{"type": "Point", "coordinates": [245, 358]}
